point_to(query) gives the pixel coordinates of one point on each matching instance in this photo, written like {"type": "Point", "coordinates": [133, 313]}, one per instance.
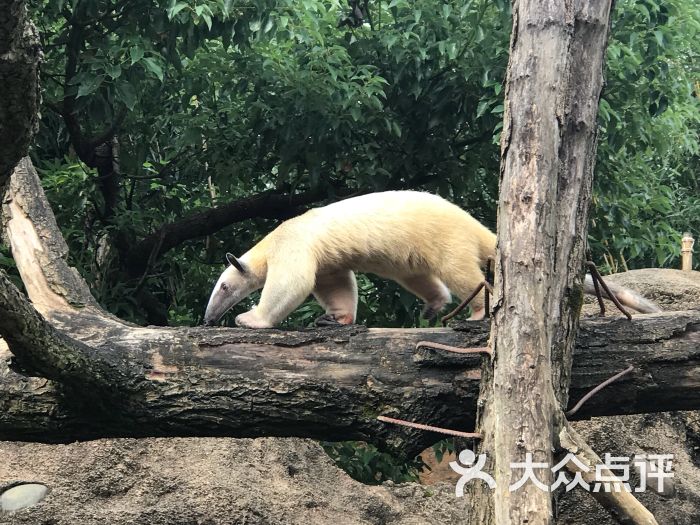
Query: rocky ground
{"type": "Point", "coordinates": [676, 433]}
{"type": "Point", "coordinates": [172, 481]}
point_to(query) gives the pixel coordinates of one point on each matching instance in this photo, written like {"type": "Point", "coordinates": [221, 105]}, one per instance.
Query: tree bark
{"type": "Point", "coordinates": [327, 384]}
{"type": "Point", "coordinates": [553, 85]}
{"type": "Point", "coordinates": [110, 378]}
{"type": "Point", "coordinates": [20, 56]}
{"type": "Point", "coordinates": [270, 205]}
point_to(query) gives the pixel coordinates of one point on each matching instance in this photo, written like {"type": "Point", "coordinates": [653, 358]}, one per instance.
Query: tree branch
{"type": "Point", "coordinates": [269, 205]}
{"type": "Point", "coordinates": [38, 248]}
{"type": "Point", "coordinates": [43, 350]}
{"type": "Point", "coordinates": [116, 379]}
{"type": "Point", "coordinates": [620, 503]}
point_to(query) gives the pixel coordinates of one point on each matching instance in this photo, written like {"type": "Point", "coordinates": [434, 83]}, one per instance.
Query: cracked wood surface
{"type": "Point", "coordinates": [552, 90]}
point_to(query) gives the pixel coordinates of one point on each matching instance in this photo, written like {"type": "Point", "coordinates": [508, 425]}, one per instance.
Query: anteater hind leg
{"type": "Point", "coordinates": [430, 289]}
{"type": "Point", "coordinates": [337, 293]}
{"type": "Point", "coordinates": [463, 282]}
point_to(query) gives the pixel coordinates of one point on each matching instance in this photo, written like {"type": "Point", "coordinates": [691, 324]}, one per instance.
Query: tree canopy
{"type": "Point", "coordinates": [175, 131]}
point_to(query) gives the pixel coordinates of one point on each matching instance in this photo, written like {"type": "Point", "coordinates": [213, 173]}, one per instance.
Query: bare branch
{"type": "Point", "coordinates": [619, 502]}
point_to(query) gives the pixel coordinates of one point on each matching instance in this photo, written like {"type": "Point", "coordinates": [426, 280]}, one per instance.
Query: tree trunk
{"type": "Point", "coordinates": [110, 378]}
{"type": "Point", "coordinates": [553, 86]}
{"type": "Point", "coordinates": [20, 56]}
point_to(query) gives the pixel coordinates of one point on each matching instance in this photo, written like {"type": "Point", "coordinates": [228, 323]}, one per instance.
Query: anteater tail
{"type": "Point", "coordinates": [626, 296]}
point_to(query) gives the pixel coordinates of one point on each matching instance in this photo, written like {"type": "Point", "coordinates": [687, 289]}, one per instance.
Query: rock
{"type": "Point", "coordinates": [662, 433]}
{"type": "Point", "coordinates": [669, 289]}
{"type": "Point", "coordinates": [675, 433]}
{"type": "Point", "coordinates": [22, 496]}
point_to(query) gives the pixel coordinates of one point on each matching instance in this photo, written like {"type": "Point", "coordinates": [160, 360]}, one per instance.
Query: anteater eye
{"type": "Point", "coordinates": [224, 287]}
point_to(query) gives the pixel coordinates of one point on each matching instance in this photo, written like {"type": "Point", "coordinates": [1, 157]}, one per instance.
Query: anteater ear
{"type": "Point", "coordinates": [235, 262]}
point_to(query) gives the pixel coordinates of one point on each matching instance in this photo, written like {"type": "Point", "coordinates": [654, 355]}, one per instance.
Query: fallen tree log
{"type": "Point", "coordinates": [332, 383]}
{"type": "Point", "coordinates": [105, 377]}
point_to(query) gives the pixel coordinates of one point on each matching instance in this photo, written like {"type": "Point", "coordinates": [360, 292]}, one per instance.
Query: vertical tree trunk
{"type": "Point", "coordinates": [553, 87]}
{"type": "Point", "coordinates": [20, 56]}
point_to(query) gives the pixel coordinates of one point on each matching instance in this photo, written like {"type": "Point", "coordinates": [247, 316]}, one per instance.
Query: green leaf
{"type": "Point", "coordinates": [659, 37]}
{"type": "Point", "coordinates": [113, 70]}
{"type": "Point", "coordinates": [452, 50]}
{"type": "Point", "coordinates": [7, 262]}
{"type": "Point", "coordinates": [641, 7]}
{"type": "Point", "coordinates": [90, 85]}
{"type": "Point", "coordinates": [153, 67]}
{"type": "Point", "coordinates": [207, 19]}
{"type": "Point", "coordinates": [136, 54]}
{"type": "Point", "coordinates": [175, 9]}
{"type": "Point", "coordinates": [127, 94]}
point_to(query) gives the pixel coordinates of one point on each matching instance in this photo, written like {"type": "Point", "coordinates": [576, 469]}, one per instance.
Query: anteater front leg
{"type": "Point", "coordinates": [287, 285]}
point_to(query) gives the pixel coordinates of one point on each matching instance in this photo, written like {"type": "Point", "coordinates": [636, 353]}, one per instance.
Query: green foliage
{"type": "Point", "coordinates": [442, 447]}
{"type": "Point", "coordinates": [368, 465]}
{"type": "Point", "coordinates": [7, 265]}
{"type": "Point", "coordinates": [647, 189]}
{"type": "Point", "coordinates": [226, 99]}
{"type": "Point", "coordinates": [291, 103]}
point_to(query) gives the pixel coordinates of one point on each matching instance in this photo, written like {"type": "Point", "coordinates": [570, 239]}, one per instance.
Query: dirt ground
{"type": "Point", "coordinates": [173, 481]}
